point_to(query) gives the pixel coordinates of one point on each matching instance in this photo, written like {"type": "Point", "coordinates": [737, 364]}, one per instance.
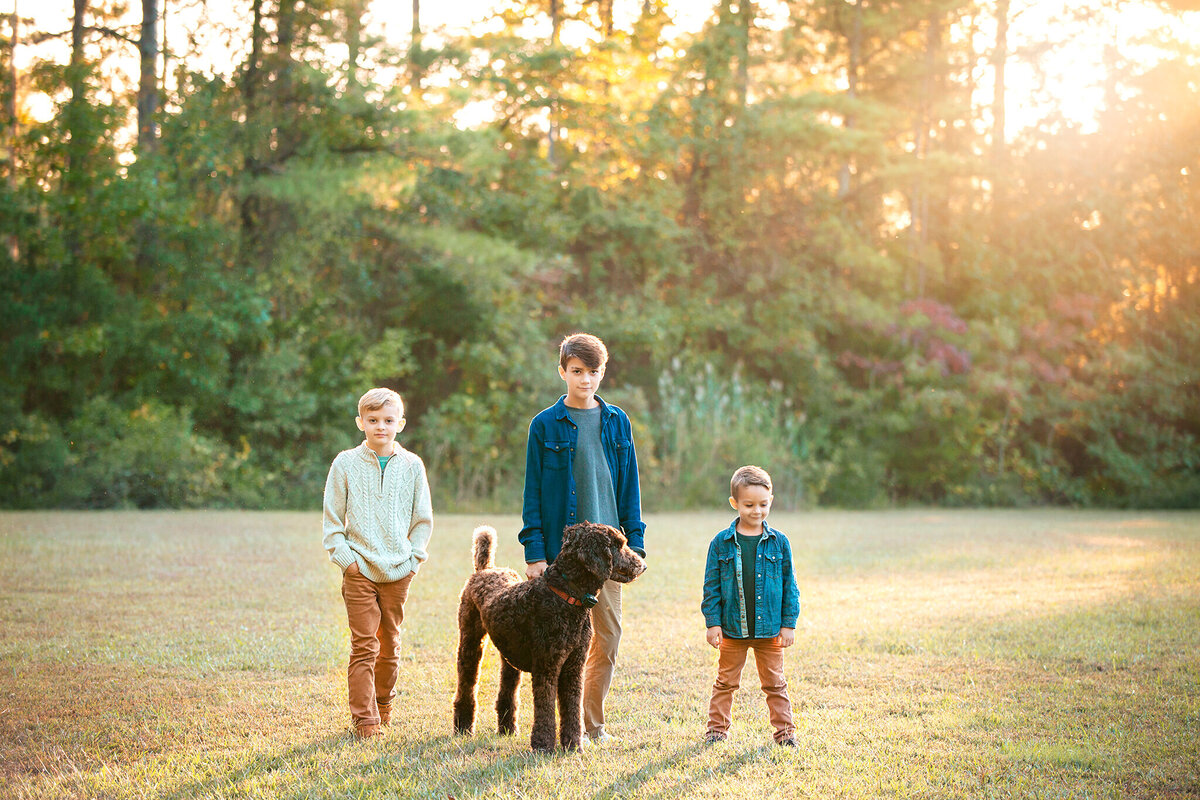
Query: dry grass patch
{"type": "Point", "coordinates": [941, 654]}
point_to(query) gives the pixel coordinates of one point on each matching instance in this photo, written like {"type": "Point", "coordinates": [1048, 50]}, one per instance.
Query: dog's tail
{"type": "Point", "coordinates": [485, 547]}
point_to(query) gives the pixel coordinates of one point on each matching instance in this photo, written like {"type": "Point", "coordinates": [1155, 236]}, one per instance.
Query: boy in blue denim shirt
{"type": "Point", "coordinates": [751, 602]}
{"type": "Point", "coordinates": [580, 466]}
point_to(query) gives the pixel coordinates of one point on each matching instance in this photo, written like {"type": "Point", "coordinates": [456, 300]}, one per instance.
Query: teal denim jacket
{"type": "Point", "coordinates": [777, 601]}
{"type": "Point", "coordinates": [550, 503]}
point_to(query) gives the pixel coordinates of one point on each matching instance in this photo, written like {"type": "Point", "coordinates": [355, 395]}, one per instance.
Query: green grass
{"type": "Point", "coordinates": [1047, 654]}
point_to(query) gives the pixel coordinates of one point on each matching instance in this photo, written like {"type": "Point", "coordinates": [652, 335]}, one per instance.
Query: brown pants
{"type": "Point", "coordinates": [375, 612]}
{"type": "Point", "coordinates": [768, 656]}
{"type": "Point", "coordinates": [601, 657]}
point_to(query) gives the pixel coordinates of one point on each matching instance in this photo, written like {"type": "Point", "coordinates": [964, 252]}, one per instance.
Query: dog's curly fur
{"type": "Point", "coordinates": [536, 630]}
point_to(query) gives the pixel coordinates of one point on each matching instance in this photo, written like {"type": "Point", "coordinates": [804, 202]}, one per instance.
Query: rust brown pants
{"type": "Point", "coordinates": [375, 612]}
{"type": "Point", "coordinates": [768, 656]}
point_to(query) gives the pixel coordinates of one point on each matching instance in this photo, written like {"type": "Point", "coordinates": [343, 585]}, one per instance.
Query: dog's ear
{"type": "Point", "coordinates": [594, 552]}
{"type": "Point", "coordinates": [585, 552]}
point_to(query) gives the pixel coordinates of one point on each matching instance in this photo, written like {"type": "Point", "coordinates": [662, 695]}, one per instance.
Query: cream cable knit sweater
{"type": "Point", "coordinates": [383, 525]}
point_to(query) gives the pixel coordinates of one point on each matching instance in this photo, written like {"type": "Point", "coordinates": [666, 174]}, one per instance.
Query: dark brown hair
{"type": "Point", "coordinates": [587, 348]}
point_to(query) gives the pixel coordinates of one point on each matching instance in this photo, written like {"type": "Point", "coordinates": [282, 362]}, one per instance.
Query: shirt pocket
{"type": "Point", "coordinates": [555, 456]}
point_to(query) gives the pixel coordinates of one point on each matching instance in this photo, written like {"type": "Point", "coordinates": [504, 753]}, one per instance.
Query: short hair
{"type": "Point", "coordinates": [748, 475]}
{"type": "Point", "coordinates": [378, 398]}
{"type": "Point", "coordinates": [587, 348]}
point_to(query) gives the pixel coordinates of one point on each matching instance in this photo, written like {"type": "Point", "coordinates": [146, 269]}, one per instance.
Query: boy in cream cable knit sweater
{"type": "Point", "coordinates": [378, 520]}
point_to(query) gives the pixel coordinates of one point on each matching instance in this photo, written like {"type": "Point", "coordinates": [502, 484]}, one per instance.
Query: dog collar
{"type": "Point", "coordinates": [588, 600]}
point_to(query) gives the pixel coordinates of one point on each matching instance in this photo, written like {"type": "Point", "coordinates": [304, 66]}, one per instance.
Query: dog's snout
{"type": "Point", "coordinates": [628, 565]}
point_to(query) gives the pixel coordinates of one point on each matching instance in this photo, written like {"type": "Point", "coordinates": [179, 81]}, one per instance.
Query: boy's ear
{"type": "Point", "coordinates": [562, 373]}
{"type": "Point", "coordinates": [400, 425]}
{"type": "Point", "coordinates": [358, 421]}
{"type": "Point", "coordinates": [733, 503]}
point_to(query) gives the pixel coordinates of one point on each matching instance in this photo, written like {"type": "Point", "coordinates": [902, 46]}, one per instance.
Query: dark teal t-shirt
{"type": "Point", "coordinates": [749, 547]}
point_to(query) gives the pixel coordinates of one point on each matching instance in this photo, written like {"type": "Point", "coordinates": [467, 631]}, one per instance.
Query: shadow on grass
{"type": "Point", "coordinates": [443, 765]}
{"type": "Point", "coordinates": [471, 764]}
{"type": "Point", "coordinates": [687, 780]}
{"type": "Point", "coordinates": [253, 769]}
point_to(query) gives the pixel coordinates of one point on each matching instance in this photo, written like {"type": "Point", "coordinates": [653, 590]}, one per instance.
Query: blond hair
{"type": "Point", "coordinates": [748, 475]}
{"type": "Point", "coordinates": [378, 398]}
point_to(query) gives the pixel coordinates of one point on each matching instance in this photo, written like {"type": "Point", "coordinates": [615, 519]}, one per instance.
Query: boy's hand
{"type": "Point", "coordinates": [714, 636]}
{"type": "Point", "coordinates": [353, 568]}
{"type": "Point", "coordinates": [535, 568]}
{"type": "Point", "coordinates": [787, 637]}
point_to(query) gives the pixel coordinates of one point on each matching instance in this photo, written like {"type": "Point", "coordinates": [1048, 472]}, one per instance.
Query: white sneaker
{"type": "Point", "coordinates": [603, 738]}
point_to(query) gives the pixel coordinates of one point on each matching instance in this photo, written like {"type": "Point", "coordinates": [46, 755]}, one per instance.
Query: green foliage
{"type": "Point", "coordinates": [113, 457]}
{"type": "Point", "coordinates": [706, 426]}
{"type": "Point", "coordinates": [797, 239]}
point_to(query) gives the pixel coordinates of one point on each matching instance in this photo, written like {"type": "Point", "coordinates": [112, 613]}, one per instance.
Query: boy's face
{"type": "Point", "coordinates": [380, 425]}
{"type": "Point", "coordinates": [582, 382]}
{"type": "Point", "coordinates": [752, 503]}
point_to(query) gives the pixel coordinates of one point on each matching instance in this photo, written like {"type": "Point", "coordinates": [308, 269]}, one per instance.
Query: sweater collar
{"type": "Point", "coordinates": [368, 454]}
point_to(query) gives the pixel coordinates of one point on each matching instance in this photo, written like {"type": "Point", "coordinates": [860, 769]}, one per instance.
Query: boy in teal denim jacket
{"type": "Point", "coordinates": [580, 465]}
{"type": "Point", "coordinates": [751, 602]}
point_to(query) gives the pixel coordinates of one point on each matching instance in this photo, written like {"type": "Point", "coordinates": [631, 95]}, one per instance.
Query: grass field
{"type": "Point", "coordinates": [940, 654]}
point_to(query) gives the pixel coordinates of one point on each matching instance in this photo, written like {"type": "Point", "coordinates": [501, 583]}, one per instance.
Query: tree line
{"type": "Point", "coordinates": [808, 239]}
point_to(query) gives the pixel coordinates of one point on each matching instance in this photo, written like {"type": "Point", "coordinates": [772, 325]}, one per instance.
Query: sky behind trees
{"type": "Point", "coordinates": [1068, 77]}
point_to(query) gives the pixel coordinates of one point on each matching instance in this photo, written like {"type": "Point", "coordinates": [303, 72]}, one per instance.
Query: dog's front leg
{"type": "Point", "coordinates": [545, 689]}
{"type": "Point", "coordinates": [570, 693]}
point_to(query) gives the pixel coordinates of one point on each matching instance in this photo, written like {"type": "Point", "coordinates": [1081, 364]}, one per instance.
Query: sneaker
{"type": "Point", "coordinates": [713, 737]}
{"type": "Point", "coordinates": [385, 713]}
{"type": "Point", "coordinates": [600, 739]}
{"type": "Point", "coordinates": [788, 742]}
{"type": "Point", "coordinates": [367, 731]}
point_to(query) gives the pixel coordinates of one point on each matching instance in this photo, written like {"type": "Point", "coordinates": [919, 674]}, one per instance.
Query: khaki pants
{"type": "Point", "coordinates": [768, 656]}
{"type": "Point", "coordinates": [375, 612]}
{"type": "Point", "coordinates": [601, 657]}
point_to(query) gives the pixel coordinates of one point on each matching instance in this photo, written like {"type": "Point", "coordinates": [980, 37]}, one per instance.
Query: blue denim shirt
{"type": "Point", "coordinates": [777, 604]}
{"type": "Point", "coordinates": [550, 503]}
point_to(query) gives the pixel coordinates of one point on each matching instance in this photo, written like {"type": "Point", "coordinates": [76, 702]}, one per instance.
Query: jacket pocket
{"type": "Point", "coordinates": [622, 448]}
{"type": "Point", "coordinates": [555, 456]}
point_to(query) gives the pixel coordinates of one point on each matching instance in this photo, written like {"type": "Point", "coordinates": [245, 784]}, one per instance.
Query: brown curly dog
{"type": "Point", "coordinates": [541, 626]}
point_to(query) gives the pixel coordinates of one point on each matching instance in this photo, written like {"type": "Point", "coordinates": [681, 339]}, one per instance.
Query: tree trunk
{"type": "Point", "coordinates": [415, 72]}
{"type": "Point", "coordinates": [745, 20]}
{"type": "Point", "coordinates": [555, 29]}
{"type": "Point", "coordinates": [919, 202]}
{"type": "Point", "coordinates": [14, 131]}
{"type": "Point", "coordinates": [77, 145]}
{"type": "Point", "coordinates": [852, 68]}
{"type": "Point", "coordinates": [250, 206]}
{"type": "Point", "coordinates": [999, 145]}
{"type": "Point", "coordinates": [147, 96]}
{"type": "Point", "coordinates": [354, 11]}
{"type": "Point", "coordinates": [76, 83]}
